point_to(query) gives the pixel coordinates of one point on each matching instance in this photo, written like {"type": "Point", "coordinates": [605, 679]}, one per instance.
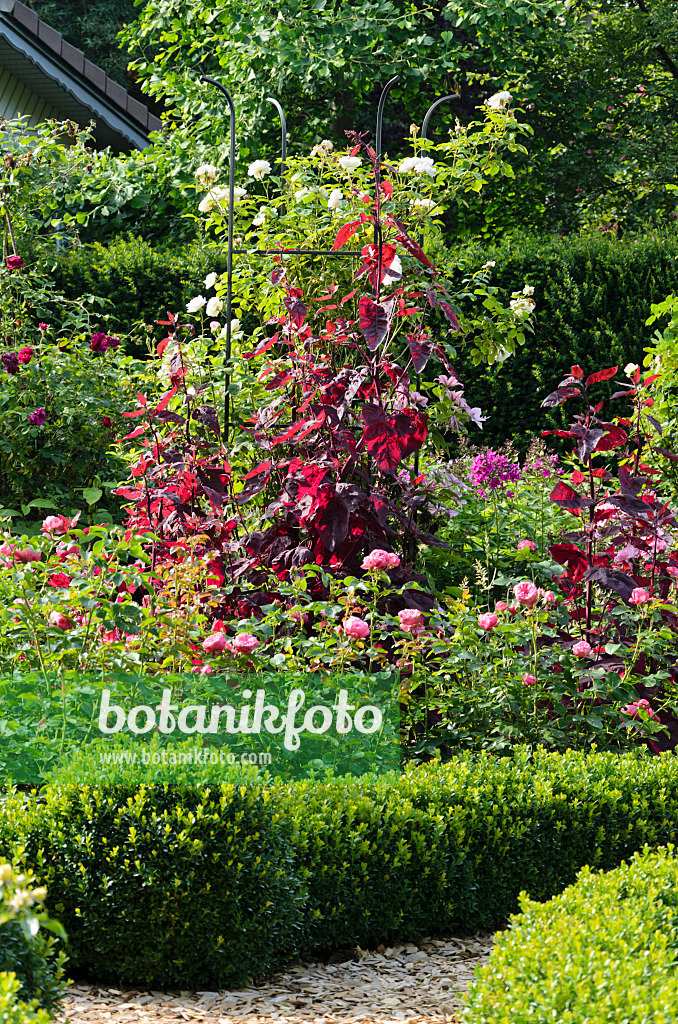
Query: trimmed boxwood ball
{"type": "Point", "coordinates": [603, 952]}
{"type": "Point", "coordinates": [205, 887]}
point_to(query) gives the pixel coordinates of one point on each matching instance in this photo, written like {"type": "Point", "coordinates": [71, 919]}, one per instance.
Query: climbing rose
{"type": "Point", "coordinates": [60, 621]}
{"type": "Point", "coordinates": [258, 169]}
{"type": "Point", "coordinates": [27, 555]}
{"type": "Point", "coordinates": [549, 597]}
{"type": "Point", "coordinates": [380, 559]}
{"type": "Point", "coordinates": [25, 355]}
{"type": "Point", "coordinates": [244, 643]}
{"type": "Point", "coordinates": [349, 163]}
{"type": "Point", "coordinates": [99, 342]}
{"type": "Point", "coordinates": [410, 619]}
{"type": "Point", "coordinates": [355, 627]}
{"type": "Point", "coordinates": [107, 421]}
{"type": "Point", "coordinates": [215, 643]}
{"type": "Point", "coordinates": [487, 621]}
{"type": "Point", "coordinates": [14, 263]}
{"type": "Point", "coordinates": [522, 544]}
{"type": "Point", "coordinates": [514, 608]}
{"type": "Point", "coordinates": [37, 417]}
{"type": "Point", "coordinates": [10, 361]}
{"type": "Point", "coordinates": [581, 649]}
{"type": "Point", "coordinates": [42, 326]}
{"type": "Point", "coordinates": [529, 679]}
{"type": "Point", "coordinates": [526, 593]}
{"type": "Point", "coordinates": [500, 606]}
{"type": "Point", "coordinates": [639, 596]}
{"type": "Point", "coordinates": [634, 709]}
{"type": "Point", "coordinates": [499, 100]}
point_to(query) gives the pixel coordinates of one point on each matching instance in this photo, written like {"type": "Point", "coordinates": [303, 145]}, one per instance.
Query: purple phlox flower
{"type": "Point", "coordinates": [492, 470]}
{"type": "Point", "coordinates": [37, 417]}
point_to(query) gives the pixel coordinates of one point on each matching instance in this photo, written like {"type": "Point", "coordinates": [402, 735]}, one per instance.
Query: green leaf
{"type": "Point", "coordinates": [92, 494]}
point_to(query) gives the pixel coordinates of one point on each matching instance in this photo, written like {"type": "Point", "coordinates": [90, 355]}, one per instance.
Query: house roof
{"type": "Point", "coordinates": [58, 74]}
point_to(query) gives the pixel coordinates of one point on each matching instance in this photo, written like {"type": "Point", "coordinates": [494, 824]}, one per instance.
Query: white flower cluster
{"type": "Point", "coordinates": [499, 100]}
{"type": "Point", "coordinates": [522, 306]}
{"type": "Point", "coordinates": [218, 196]}
{"type": "Point", "coordinates": [418, 165]}
{"type": "Point", "coordinates": [350, 163]}
{"type": "Point", "coordinates": [336, 196]}
{"type": "Point", "coordinates": [322, 148]}
{"type": "Point", "coordinates": [259, 169]}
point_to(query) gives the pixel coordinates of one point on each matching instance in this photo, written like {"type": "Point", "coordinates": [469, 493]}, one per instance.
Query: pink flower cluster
{"type": "Point", "coordinates": [380, 559]}
{"type": "Point", "coordinates": [242, 643]}
{"type": "Point", "coordinates": [10, 553]}
{"type": "Point", "coordinates": [634, 709]}
{"type": "Point", "coordinates": [491, 471]}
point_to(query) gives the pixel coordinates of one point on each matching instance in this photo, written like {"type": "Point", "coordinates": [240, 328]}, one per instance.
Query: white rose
{"type": "Point", "coordinates": [349, 163]}
{"type": "Point", "coordinates": [528, 290]}
{"type": "Point", "coordinates": [258, 169]}
{"type": "Point", "coordinates": [336, 195]}
{"type": "Point", "coordinates": [195, 304]}
{"type": "Point", "coordinates": [214, 326]}
{"type": "Point", "coordinates": [490, 263]}
{"type": "Point", "coordinates": [408, 164]}
{"type": "Point", "coordinates": [207, 174]}
{"type": "Point", "coordinates": [214, 306]}
{"type": "Point", "coordinates": [499, 100]}
{"type": "Point", "coordinates": [260, 218]}
{"type": "Point", "coordinates": [210, 280]}
{"type": "Point", "coordinates": [424, 204]}
{"type": "Point", "coordinates": [396, 266]}
{"type": "Point", "coordinates": [424, 165]}
{"type": "Point", "coordinates": [630, 369]}
{"type": "Point", "coordinates": [302, 194]}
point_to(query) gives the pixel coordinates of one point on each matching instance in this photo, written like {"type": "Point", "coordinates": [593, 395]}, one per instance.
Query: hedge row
{"type": "Point", "coordinates": [592, 296]}
{"type": "Point", "coordinates": [603, 952]}
{"type": "Point", "coordinates": [205, 887]}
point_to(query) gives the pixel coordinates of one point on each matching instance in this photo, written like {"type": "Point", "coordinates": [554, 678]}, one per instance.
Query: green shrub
{"type": "Point", "coordinates": [205, 887]}
{"type": "Point", "coordinates": [593, 298]}
{"type": "Point", "coordinates": [603, 951]}
{"type": "Point", "coordinates": [141, 281]}
{"type": "Point", "coordinates": [15, 1011]}
{"type": "Point", "coordinates": [166, 887]}
{"type": "Point", "coordinates": [39, 972]}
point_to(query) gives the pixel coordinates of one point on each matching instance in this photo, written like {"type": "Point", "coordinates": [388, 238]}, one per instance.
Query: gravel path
{"type": "Point", "coordinates": [416, 984]}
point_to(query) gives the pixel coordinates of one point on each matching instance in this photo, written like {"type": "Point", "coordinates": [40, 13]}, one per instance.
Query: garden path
{"type": "Point", "coordinates": [410, 984]}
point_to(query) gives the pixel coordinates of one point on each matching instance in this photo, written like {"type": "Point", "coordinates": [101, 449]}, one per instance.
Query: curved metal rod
{"type": "Point", "coordinates": [377, 170]}
{"type": "Point", "coordinates": [283, 134]}
{"type": "Point", "coordinates": [229, 256]}
{"type": "Point", "coordinates": [432, 108]}
{"type": "Point", "coordinates": [380, 114]}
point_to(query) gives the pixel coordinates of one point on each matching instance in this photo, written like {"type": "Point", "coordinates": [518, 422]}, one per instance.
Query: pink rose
{"type": "Point", "coordinates": [357, 628]}
{"type": "Point", "coordinates": [529, 679]}
{"type": "Point", "coordinates": [206, 670]}
{"type": "Point", "coordinates": [27, 555]}
{"type": "Point", "coordinates": [67, 549]}
{"type": "Point", "coordinates": [56, 524]}
{"type": "Point", "coordinates": [25, 355]}
{"type": "Point", "coordinates": [60, 621]}
{"type": "Point", "coordinates": [514, 609]}
{"type": "Point", "coordinates": [581, 649]}
{"type": "Point", "coordinates": [244, 643]}
{"type": "Point", "coordinates": [410, 619]}
{"type": "Point", "coordinates": [639, 596]}
{"type": "Point", "coordinates": [549, 597]}
{"type": "Point", "coordinates": [672, 570]}
{"type": "Point", "coordinates": [501, 606]}
{"type": "Point", "coordinates": [526, 593]}
{"type": "Point", "coordinates": [522, 544]}
{"type": "Point", "coordinates": [215, 643]}
{"type": "Point", "coordinates": [487, 621]}
{"type": "Point", "coordinates": [380, 559]}
{"type": "Point", "coordinates": [634, 709]}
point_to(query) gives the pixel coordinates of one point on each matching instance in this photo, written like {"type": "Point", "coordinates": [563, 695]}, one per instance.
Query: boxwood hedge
{"type": "Point", "coordinates": [205, 887]}
{"type": "Point", "coordinates": [602, 952]}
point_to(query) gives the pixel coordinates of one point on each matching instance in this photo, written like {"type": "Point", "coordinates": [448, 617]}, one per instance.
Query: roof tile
{"type": "Point", "coordinates": [49, 36]}
{"type": "Point", "coordinates": [25, 17]}
{"type": "Point", "coordinates": [74, 57]}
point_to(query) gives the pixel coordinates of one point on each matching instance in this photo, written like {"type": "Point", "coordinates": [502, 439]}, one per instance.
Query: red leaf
{"type": "Point", "coordinates": [163, 345]}
{"type": "Point", "coordinates": [391, 439]}
{"type": "Point", "coordinates": [265, 345]}
{"type": "Point", "coordinates": [135, 412]}
{"type": "Point", "coordinates": [612, 438]}
{"type": "Point", "coordinates": [415, 250]}
{"type": "Point", "coordinates": [596, 378]}
{"type": "Point", "coordinates": [374, 320]}
{"type": "Point", "coordinates": [387, 188]}
{"type": "Point", "coordinates": [135, 433]}
{"type": "Point", "coordinates": [142, 398]}
{"type": "Point", "coordinates": [347, 231]}
{"type": "Point", "coordinates": [450, 314]}
{"type": "Point", "coordinates": [577, 372]}
{"type": "Point", "coordinates": [330, 294]}
{"type": "Point", "coordinates": [165, 400]}
{"type": "Point", "coordinates": [649, 380]}
{"type": "Point", "coordinates": [347, 297]}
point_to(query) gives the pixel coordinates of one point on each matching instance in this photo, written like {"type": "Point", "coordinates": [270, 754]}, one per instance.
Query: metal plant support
{"type": "Point", "coordinates": [231, 252]}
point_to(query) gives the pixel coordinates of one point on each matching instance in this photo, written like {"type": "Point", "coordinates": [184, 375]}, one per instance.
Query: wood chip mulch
{"type": "Point", "coordinates": [412, 984]}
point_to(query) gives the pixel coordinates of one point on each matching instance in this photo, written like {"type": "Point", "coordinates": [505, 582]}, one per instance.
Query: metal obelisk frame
{"type": "Point", "coordinates": [231, 252]}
